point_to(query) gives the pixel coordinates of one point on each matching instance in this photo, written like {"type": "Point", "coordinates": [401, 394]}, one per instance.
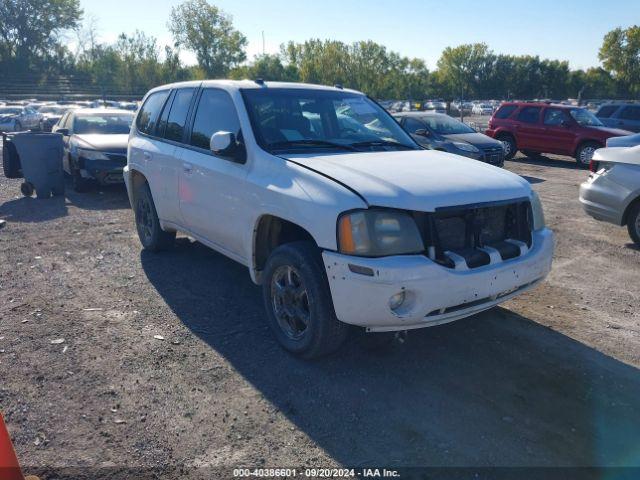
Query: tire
{"type": "Point", "coordinates": [509, 145]}
{"type": "Point", "coordinates": [80, 184]}
{"type": "Point", "coordinates": [10, 161]}
{"type": "Point", "coordinates": [27, 189]}
{"type": "Point", "coordinates": [633, 223]}
{"type": "Point", "coordinates": [532, 154]}
{"type": "Point", "coordinates": [298, 301]}
{"type": "Point", "coordinates": [151, 235]}
{"type": "Point", "coordinates": [585, 152]}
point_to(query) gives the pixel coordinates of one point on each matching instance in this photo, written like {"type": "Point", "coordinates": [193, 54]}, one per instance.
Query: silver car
{"type": "Point", "coordinates": [17, 118]}
{"type": "Point", "coordinates": [612, 191]}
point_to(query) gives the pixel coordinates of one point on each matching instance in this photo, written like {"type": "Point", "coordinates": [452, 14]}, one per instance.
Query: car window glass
{"type": "Point", "coordinates": [606, 111]}
{"type": "Point", "coordinates": [162, 122]}
{"type": "Point", "coordinates": [178, 114]}
{"type": "Point", "coordinates": [553, 116]}
{"type": "Point", "coordinates": [630, 113]}
{"type": "Point", "coordinates": [150, 112]}
{"type": "Point", "coordinates": [505, 111]}
{"type": "Point", "coordinates": [215, 112]}
{"type": "Point", "coordinates": [529, 115]}
{"type": "Point", "coordinates": [411, 125]}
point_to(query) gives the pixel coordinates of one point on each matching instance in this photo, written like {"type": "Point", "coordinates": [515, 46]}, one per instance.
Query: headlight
{"type": "Point", "coordinates": [378, 232]}
{"type": "Point", "coordinates": [91, 154]}
{"type": "Point", "coordinates": [536, 210]}
{"type": "Point", "coordinates": [467, 147]}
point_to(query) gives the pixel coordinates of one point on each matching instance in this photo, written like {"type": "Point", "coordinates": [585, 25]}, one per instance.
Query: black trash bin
{"type": "Point", "coordinates": [40, 157]}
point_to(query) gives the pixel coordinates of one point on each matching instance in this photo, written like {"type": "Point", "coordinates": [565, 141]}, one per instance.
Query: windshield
{"type": "Point", "coordinates": [445, 125]}
{"type": "Point", "coordinates": [301, 119]}
{"type": "Point", "coordinates": [585, 117]}
{"type": "Point", "coordinates": [105, 123]}
{"type": "Point", "coordinates": [10, 111]}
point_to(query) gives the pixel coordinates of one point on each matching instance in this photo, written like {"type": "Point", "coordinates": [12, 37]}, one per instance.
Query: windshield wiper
{"type": "Point", "coordinates": [381, 143]}
{"type": "Point", "coordinates": [309, 143]}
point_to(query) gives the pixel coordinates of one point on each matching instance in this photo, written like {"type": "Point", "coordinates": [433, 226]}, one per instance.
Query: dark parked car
{"type": "Point", "coordinates": [438, 131]}
{"type": "Point", "coordinates": [95, 145]}
{"type": "Point", "coordinates": [51, 114]}
{"type": "Point", "coordinates": [620, 115]}
{"type": "Point", "coordinates": [535, 128]}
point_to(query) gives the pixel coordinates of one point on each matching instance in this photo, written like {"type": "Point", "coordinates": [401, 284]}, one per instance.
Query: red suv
{"type": "Point", "coordinates": [535, 128]}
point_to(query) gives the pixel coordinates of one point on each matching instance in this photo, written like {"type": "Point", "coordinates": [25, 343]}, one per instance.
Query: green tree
{"type": "Point", "coordinates": [463, 69]}
{"type": "Point", "coordinates": [30, 28]}
{"type": "Point", "coordinates": [209, 33]}
{"type": "Point", "coordinates": [267, 67]}
{"type": "Point", "coordinates": [620, 55]}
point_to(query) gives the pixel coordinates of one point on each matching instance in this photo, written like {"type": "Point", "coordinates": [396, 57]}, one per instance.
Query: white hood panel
{"type": "Point", "coordinates": [418, 180]}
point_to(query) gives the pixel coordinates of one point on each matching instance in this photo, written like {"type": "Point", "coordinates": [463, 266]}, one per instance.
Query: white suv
{"type": "Point", "coordinates": [336, 211]}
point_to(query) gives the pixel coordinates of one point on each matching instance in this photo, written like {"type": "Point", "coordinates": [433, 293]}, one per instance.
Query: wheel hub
{"type": "Point", "coordinates": [290, 301]}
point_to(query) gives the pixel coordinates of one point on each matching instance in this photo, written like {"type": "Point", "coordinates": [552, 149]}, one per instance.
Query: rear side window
{"type": "Point", "coordinates": [178, 114]}
{"type": "Point", "coordinates": [216, 112]}
{"type": "Point", "coordinates": [606, 111]}
{"type": "Point", "coordinates": [630, 113]}
{"type": "Point", "coordinates": [150, 111]}
{"type": "Point", "coordinates": [505, 111]}
{"type": "Point", "coordinates": [529, 115]}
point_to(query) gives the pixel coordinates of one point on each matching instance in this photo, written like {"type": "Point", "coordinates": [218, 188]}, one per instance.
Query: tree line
{"type": "Point", "coordinates": [43, 39]}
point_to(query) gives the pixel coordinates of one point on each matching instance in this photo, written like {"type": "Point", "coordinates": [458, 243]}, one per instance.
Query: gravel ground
{"type": "Point", "coordinates": [114, 358]}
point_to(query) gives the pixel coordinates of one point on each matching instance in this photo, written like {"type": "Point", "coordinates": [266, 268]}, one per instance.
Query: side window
{"type": "Point", "coordinates": [630, 113]}
{"type": "Point", "coordinates": [162, 121]}
{"type": "Point", "coordinates": [215, 112]}
{"type": "Point", "coordinates": [411, 125]}
{"type": "Point", "coordinates": [529, 115]}
{"type": "Point", "coordinates": [606, 111]}
{"type": "Point", "coordinates": [554, 116]}
{"type": "Point", "coordinates": [148, 116]}
{"type": "Point", "coordinates": [505, 111]}
{"type": "Point", "coordinates": [178, 114]}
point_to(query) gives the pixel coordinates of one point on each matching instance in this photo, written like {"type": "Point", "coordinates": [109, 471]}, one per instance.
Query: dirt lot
{"type": "Point", "coordinates": [549, 379]}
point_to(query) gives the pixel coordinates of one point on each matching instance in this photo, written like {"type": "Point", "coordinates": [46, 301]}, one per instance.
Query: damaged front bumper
{"type": "Point", "coordinates": [361, 288]}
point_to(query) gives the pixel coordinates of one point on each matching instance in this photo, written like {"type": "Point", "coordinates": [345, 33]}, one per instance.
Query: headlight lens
{"type": "Point", "coordinates": [536, 210]}
{"type": "Point", "coordinates": [378, 232]}
{"type": "Point", "coordinates": [467, 147]}
{"type": "Point", "coordinates": [91, 154]}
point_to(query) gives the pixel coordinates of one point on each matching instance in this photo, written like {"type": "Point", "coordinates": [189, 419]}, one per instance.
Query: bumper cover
{"type": "Point", "coordinates": [603, 200]}
{"type": "Point", "coordinates": [433, 294]}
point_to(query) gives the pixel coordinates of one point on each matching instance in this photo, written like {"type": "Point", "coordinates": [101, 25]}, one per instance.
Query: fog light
{"type": "Point", "coordinates": [396, 301]}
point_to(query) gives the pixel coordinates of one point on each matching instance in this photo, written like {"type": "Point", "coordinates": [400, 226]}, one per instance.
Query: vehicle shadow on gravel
{"type": "Point", "coordinates": [107, 197]}
{"type": "Point", "coordinates": [493, 389]}
{"type": "Point", "coordinates": [568, 163]}
{"type": "Point", "coordinates": [33, 210]}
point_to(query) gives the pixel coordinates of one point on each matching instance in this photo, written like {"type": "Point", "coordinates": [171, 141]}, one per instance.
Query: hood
{"type": "Point", "coordinates": [625, 141]}
{"type": "Point", "coordinates": [629, 155]}
{"type": "Point", "coordinates": [474, 138]}
{"type": "Point", "coordinates": [106, 143]}
{"type": "Point", "coordinates": [608, 131]}
{"type": "Point", "coordinates": [421, 180]}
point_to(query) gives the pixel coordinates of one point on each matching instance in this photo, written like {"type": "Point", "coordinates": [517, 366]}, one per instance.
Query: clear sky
{"type": "Point", "coordinates": [558, 29]}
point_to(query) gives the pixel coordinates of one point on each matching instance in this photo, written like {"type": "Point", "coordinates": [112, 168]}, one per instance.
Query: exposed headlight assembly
{"type": "Point", "coordinates": [378, 232]}
{"type": "Point", "coordinates": [91, 154]}
{"type": "Point", "coordinates": [536, 210]}
{"type": "Point", "coordinates": [467, 147]}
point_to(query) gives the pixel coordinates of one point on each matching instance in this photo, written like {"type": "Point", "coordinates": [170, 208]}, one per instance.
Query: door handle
{"type": "Point", "coordinates": [187, 167]}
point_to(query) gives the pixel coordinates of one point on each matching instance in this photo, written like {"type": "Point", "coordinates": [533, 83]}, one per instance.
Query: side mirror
{"type": "Point", "coordinates": [63, 131]}
{"type": "Point", "coordinates": [225, 144]}
{"type": "Point", "coordinates": [423, 132]}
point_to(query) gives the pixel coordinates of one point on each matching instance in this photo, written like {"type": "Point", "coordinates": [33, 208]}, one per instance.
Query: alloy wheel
{"type": "Point", "coordinates": [290, 301]}
{"type": "Point", "coordinates": [585, 155]}
{"type": "Point", "coordinates": [144, 219]}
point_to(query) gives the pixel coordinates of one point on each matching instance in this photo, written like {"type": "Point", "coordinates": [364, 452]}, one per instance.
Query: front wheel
{"type": "Point", "coordinates": [509, 146]}
{"type": "Point", "coordinates": [585, 153]}
{"type": "Point", "coordinates": [298, 301]}
{"type": "Point", "coordinates": [633, 223]}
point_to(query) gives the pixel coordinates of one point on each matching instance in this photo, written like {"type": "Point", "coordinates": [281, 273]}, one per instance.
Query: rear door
{"type": "Point", "coordinates": [560, 131]}
{"type": "Point", "coordinates": [629, 118]}
{"type": "Point", "coordinates": [530, 132]}
{"type": "Point", "coordinates": [212, 188]}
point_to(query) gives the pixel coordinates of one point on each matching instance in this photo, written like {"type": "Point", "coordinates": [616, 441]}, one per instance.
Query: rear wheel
{"type": "Point", "coordinates": [298, 301]}
{"type": "Point", "coordinates": [585, 153]}
{"type": "Point", "coordinates": [633, 223]}
{"type": "Point", "coordinates": [151, 235]}
{"type": "Point", "coordinates": [509, 146]}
